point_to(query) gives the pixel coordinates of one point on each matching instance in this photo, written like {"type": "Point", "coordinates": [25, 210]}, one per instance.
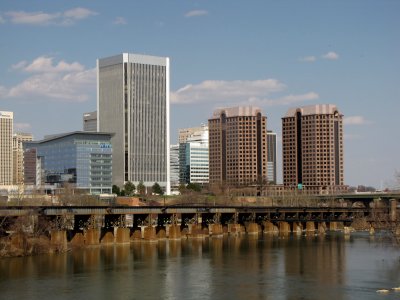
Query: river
{"type": "Point", "coordinates": [331, 266]}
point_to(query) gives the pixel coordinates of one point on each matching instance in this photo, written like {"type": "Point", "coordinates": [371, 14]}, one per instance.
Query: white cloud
{"type": "Point", "coordinates": [331, 56]}
{"type": "Point", "coordinates": [355, 120]}
{"type": "Point", "coordinates": [54, 81]}
{"type": "Point", "coordinates": [196, 13]}
{"type": "Point", "coordinates": [120, 21]}
{"type": "Point", "coordinates": [225, 91]}
{"type": "Point", "coordinates": [68, 17]}
{"type": "Point", "coordinates": [32, 18]}
{"type": "Point", "coordinates": [79, 13]}
{"type": "Point", "coordinates": [308, 59]}
{"type": "Point", "coordinates": [2, 20]}
{"type": "Point", "coordinates": [291, 99]}
{"type": "Point", "coordinates": [44, 64]}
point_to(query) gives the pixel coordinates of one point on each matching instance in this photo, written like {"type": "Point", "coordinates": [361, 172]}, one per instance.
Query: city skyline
{"type": "Point", "coordinates": [222, 54]}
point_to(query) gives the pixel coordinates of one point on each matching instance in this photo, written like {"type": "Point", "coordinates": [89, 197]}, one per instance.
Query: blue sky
{"type": "Point", "coordinates": [273, 54]}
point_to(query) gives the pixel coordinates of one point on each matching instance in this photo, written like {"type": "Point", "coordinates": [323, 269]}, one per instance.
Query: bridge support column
{"type": "Point", "coordinates": [122, 235]}
{"type": "Point", "coordinates": [347, 230]}
{"type": "Point", "coordinates": [297, 228]}
{"type": "Point", "coordinates": [393, 210]}
{"type": "Point", "coordinates": [108, 238]}
{"type": "Point", "coordinates": [195, 231]}
{"type": "Point", "coordinates": [174, 232]}
{"type": "Point", "coordinates": [78, 239]}
{"type": "Point", "coordinates": [58, 240]}
{"type": "Point", "coordinates": [371, 230]}
{"type": "Point", "coordinates": [284, 228]}
{"type": "Point", "coordinates": [321, 228]}
{"type": "Point", "coordinates": [215, 229]}
{"type": "Point", "coordinates": [234, 229]}
{"type": "Point", "coordinates": [252, 228]}
{"type": "Point", "coordinates": [310, 227]}
{"type": "Point", "coordinates": [149, 233]}
{"type": "Point", "coordinates": [270, 228]}
{"type": "Point", "coordinates": [92, 236]}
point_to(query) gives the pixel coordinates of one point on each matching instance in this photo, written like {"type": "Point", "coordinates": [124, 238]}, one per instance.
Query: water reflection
{"type": "Point", "coordinates": [236, 267]}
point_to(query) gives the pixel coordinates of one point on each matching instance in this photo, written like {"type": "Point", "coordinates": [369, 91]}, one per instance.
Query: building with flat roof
{"type": "Point", "coordinates": [174, 166]}
{"type": "Point", "coordinates": [193, 156]}
{"type": "Point", "coordinates": [133, 103]}
{"type": "Point", "coordinates": [238, 146]}
{"type": "Point", "coordinates": [80, 159]}
{"type": "Point", "coordinates": [271, 157]}
{"type": "Point", "coordinates": [6, 148]}
{"type": "Point", "coordinates": [18, 155]}
{"type": "Point", "coordinates": [312, 144]}
{"type": "Point", "coordinates": [90, 121]}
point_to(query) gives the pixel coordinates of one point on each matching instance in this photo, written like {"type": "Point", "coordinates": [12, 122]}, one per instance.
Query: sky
{"type": "Point", "coordinates": [272, 54]}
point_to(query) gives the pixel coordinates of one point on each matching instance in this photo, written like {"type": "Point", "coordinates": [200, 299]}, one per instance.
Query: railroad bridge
{"type": "Point", "coordinates": [121, 224]}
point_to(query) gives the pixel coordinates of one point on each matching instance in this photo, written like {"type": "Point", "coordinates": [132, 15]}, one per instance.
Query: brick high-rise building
{"type": "Point", "coordinates": [313, 147]}
{"type": "Point", "coordinates": [238, 146]}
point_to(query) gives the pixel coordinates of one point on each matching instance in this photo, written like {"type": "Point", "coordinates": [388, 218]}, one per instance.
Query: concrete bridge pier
{"type": "Point", "coordinates": [215, 229]}
{"type": "Point", "coordinates": [252, 228]}
{"type": "Point", "coordinates": [149, 233]}
{"type": "Point", "coordinates": [371, 230]}
{"type": "Point", "coordinates": [58, 240]}
{"type": "Point", "coordinates": [235, 229]}
{"type": "Point", "coordinates": [393, 210]}
{"type": "Point", "coordinates": [122, 235]}
{"type": "Point", "coordinates": [92, 236]}
{"type": "Point", "coordinates": [284, 228]}
{"type": "Point", "coordinates": [173, 231]}
{"type": "Point", "coordinates": [310, 227]}
{"type": "Point", "coordinates": [322, 228]}
{"type": "Point", "coordinates": [270, 228]}
{"type": "Point", "coordinates": [297, 228]}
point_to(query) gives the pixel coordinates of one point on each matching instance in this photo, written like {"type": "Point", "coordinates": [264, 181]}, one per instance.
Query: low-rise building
{"type": "Point", "coordinates": [80, 159]}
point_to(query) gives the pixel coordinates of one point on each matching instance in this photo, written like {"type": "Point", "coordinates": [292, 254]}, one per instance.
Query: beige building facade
{"type": "Point", "coordinates": [237, 146]}
{"type": "Point", "coordinates": [312, 144]}
{"type": "Point", "coordinates": [18, 155]}
{"type": "Point", "coordinates": [6, 148]}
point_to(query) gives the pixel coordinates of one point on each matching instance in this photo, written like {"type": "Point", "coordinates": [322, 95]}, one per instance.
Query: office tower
{"type": "Point", "coordinates": [271, 156]}
{"type": "Point", "coordinates": [238, 146]}
{"type": "Point", "coordinates": [174, 166]}
{"type": "Point", "coordinates": [6, 148]}
{"type": "Point", "coordinates": [32, 168]}
{"type": "Point", "coordinates": [313, 147]}
{"type": "Point", "coordinates": [184, 133]}
{"type": "Point", "coordinates": [193, 156]}
{"type": "Point", "coordinates": [133, 103]}
{"type": "Point", "coordinates": [18, 156]}
{"type": "Point", "coordinates": [81, 159]}
{"type": "Point", "coordinates": [90, 121]}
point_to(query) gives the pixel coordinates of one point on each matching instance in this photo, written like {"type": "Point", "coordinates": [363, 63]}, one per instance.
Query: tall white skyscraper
{"type": "Point", "coordinates": [133, 103]}
{"type": "Point", "coordinates": [6, 148]}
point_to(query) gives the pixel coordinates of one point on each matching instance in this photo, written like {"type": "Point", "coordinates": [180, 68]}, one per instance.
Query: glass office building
{"type": "Point", "coordinates": [82, 159]}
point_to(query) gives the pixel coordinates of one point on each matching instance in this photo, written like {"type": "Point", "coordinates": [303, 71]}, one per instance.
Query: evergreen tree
{"type": "Point", "coordinates": [129, 188]}
{"type": "Point", "coordinates": [141, 188]}
{"type": "Point", "coordinates": [157, 189]}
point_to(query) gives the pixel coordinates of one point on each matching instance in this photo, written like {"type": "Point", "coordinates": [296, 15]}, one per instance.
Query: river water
{"type": "Point", "coordinates": [318, 267]}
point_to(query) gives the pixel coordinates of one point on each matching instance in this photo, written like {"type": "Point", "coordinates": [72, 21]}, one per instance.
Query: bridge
{"type": "Point", "coordinates": [94, 225]}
